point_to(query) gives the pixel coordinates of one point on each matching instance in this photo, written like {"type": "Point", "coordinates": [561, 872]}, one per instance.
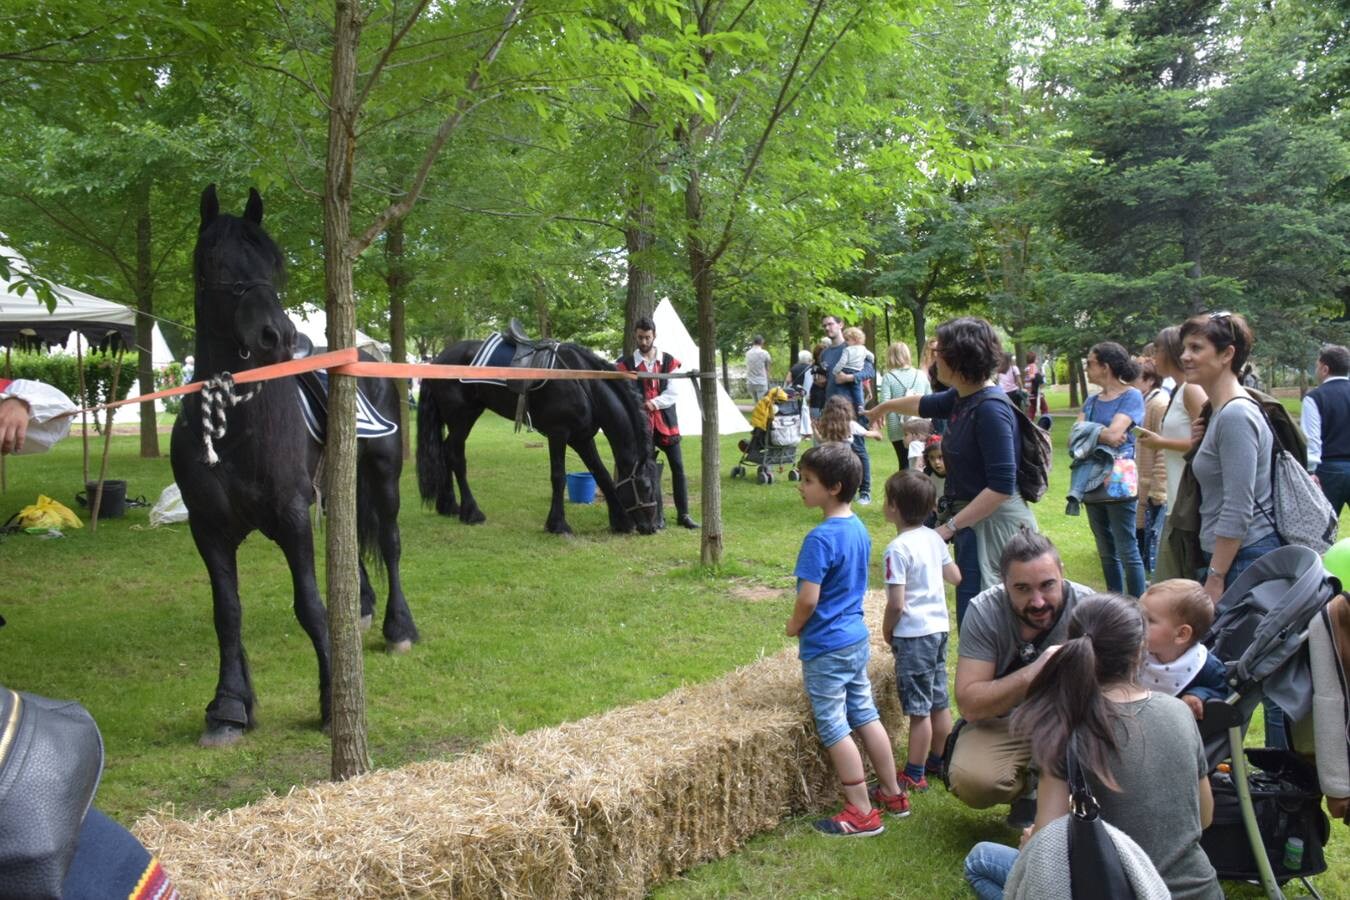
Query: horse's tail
{"type": "Point", "coordinates": [432, 464]}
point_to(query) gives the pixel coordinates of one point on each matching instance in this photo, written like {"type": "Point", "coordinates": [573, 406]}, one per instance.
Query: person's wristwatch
{"type": "Point", "coordinates": [1211, 572]}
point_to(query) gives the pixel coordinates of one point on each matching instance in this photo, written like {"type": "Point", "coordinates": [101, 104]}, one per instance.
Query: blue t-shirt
{"type": "Point", "coordinates": [979, 446]}
{"type": "Point", "coordinates": [834, 555]}
{"type": "Point", "coordinates": [1131, 403]}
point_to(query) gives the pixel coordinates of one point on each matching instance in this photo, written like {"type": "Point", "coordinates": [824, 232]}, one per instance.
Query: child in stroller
{"type": "Point", "coordinates": [778, 423]}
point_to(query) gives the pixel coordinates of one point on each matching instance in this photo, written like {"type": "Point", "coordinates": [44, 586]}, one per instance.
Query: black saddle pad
{"type": "Point", "coordinates": [313, 391]}
{"type": "Point", "coordinates": [499, 350]}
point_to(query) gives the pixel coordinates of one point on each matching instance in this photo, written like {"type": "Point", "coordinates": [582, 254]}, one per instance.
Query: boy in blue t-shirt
{"type": "Point", "coordinates": [828, 620]}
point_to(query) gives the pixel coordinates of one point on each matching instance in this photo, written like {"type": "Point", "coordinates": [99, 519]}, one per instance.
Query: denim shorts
{"type": "Point", "coordinates": [840, 691]}
{"type": "Point", "coordinates": [921, 673]}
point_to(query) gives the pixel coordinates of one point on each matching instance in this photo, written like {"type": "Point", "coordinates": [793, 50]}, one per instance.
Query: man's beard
{"type": "Point", "coordinates": [1030, 623]}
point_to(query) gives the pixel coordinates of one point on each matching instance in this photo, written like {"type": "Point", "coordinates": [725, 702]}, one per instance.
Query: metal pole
{"type": "Point", "coordinates": [1239, 772]}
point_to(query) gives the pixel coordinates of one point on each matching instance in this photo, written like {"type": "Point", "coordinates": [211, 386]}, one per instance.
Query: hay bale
{"type": "Point", "coordinates": [649, 790]}
{"type": "Point", "coordinates": [459, 828]}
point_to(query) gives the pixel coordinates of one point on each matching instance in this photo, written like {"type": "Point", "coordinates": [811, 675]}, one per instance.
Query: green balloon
{"type": "Point", "coordinates": [1337, 561]}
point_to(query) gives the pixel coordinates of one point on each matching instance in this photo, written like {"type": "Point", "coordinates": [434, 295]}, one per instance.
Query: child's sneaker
{"type": "Point", "coordinates": [851, 822]}
{"type": "Point", "coordinates": [909, 784]}
{"type": "Point", "coordinates": [897, 805]}
{"type": "Point", "coordinates": [931, 768]}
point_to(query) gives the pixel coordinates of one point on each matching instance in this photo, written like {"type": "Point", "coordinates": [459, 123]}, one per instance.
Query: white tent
{"type": "Point", "coordinates": [312, 322]}
{"type": "Point", "coordinates": [92, 317]}
{"type": "Point", "coordinates": [673, 338]}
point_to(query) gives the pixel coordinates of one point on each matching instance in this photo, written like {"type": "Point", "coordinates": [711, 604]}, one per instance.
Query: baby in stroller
{"type": "Point", "coordinates": [1179, 613]}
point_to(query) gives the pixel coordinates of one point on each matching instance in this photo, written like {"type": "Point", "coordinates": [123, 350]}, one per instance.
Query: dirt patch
{"type": "Point", "coordinates": [757, 593]}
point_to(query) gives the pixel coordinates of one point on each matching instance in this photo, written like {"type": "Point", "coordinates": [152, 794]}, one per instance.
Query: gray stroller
{"type": "Point", "coordinates": [1268, 821]}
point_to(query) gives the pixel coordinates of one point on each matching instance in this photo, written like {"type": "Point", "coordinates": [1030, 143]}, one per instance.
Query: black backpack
{"type": "Point", "coordinates": [1035, 453]}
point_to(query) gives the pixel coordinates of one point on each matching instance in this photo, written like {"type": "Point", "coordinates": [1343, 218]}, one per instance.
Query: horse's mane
{"type": "Point", "coordinates": [219, 249]}
{"type": "Point", "coordinates": [628, 393]}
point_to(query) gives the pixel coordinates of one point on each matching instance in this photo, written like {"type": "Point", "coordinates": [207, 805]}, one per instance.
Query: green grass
{"type": "Point", "coordinates": [520, 629]}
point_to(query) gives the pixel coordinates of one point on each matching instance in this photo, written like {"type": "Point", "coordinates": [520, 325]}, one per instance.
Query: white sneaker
{"type": "Point", "coordinates": [864, 499]}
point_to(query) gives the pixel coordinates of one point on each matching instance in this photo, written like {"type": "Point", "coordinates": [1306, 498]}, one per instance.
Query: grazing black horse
{"type": "Point", "coordinates": [267, 462]}
{"type": "Point", "coordinates": [568, 413]}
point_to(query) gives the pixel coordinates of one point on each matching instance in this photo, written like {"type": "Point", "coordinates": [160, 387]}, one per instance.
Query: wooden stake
{"type": "Point", "coordinates": [97, 499]}
{"type": "Point", "coordinates": [84, 401]}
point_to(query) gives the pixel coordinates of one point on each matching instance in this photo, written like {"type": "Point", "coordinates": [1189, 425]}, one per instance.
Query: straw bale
{"type": "Point", "coordinates": [446, 829]}
{"type": "Point", "coordinates": [649, 790]}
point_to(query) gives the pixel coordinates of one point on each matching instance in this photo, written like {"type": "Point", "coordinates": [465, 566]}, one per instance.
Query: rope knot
{"type": "Point", "coordinates": [218, 395]}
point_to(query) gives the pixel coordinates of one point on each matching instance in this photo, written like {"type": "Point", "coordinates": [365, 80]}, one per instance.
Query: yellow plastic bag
{"type": "Point", "coordinates": [48, 513]}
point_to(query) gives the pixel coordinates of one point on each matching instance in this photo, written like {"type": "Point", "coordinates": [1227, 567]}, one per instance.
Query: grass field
{"type": "Point", "coordinates": [520, 629]}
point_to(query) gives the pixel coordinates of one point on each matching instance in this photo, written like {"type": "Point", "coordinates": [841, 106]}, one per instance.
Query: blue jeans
{"type": "Point", "coordinates": [987, 868]}
{"type": "Point", "coordinates": [967, 547]}
{"type": "Point", "coordinates": [1334, 476]}
{"type": "Point", "coordinates": [860, 448]}
{"type": "Point", "coordinates": [840, 691]}
{"type": "Point", "coordinates": [1113, 527]}
{"type": "Point", "coordinates": [1148, 537]}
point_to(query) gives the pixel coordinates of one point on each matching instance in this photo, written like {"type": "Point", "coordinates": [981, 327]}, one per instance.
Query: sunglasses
{"type": "Point", "coordinates": [1225, 316]}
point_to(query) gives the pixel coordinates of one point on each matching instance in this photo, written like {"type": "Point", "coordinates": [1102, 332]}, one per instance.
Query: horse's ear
{"type": "Point", "coordinates": [253, 209]}
{"type": "Point", "coordinates": [210, 206]}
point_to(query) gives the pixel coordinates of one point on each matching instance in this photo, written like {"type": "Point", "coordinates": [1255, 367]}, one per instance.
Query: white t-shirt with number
{"type": "Point", "coordinates": [915, 559]}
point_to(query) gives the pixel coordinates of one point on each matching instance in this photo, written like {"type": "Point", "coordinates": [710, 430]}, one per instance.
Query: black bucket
{"type": "Point", "coordinates": [114, 502]}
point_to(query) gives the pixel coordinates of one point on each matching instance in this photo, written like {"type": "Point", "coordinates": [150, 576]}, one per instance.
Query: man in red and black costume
{"type": "Point", "coordinates": [659, 400]}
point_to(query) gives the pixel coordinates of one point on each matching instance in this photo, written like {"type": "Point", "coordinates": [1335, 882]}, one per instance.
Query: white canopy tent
{"type": "Point", "coordinates": [76, 311]}
{"type": "Point", "coordinates": [673, 338]}
{"type": "Point", "coordinates": [312, 322]}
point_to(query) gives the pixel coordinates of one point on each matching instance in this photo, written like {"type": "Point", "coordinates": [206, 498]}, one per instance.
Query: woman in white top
{"type": "Point", "coordinates": [1175, 437]}
{"type": "Point", "coordinates": [901, 380]}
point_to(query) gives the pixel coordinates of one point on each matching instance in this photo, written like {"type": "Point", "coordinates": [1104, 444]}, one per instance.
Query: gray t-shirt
{"type": "Point", "coordinates": [1162, 760]}
{"type": "Point", "coordinates": [1232, 468]}
{"type": "Point", "coordinates": [757, 365]}
{"type": "Point", "coordinates": [990, 632]}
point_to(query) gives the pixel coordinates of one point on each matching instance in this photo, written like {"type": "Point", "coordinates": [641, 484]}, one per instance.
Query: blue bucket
{"type": "Point", "coordinates": [580, 487]}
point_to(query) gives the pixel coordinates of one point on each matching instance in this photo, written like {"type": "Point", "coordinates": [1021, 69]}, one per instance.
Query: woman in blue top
{"type": "Point", "coordinates": [1118, 409]}
{"type": "Point", "coordinates": [980, 443]}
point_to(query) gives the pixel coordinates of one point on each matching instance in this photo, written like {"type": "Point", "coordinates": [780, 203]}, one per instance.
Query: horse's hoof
{"type": "Point", "coordinates": [473, 517]}
{"type": "Point", "coordinates": [365, 623]}
{"type": "Point", "coordinates": [397, 647]}
{"type": "Point", "coordinates": [221, 736]}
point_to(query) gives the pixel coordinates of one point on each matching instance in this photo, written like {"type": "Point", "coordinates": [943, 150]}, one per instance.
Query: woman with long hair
{"type": "Point", "coordinates": [1174, 437]}
{"type": "Point", "coordinates": [1140, 751]}
{"type": "Point", "coordinates": [901, 380]}
{"type": "Point", "coordinates": [1118, 408]}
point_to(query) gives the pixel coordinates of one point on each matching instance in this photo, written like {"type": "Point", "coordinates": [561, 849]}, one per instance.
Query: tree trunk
{"type": "Point", "coordinates": [145, 325]}
{"type": "Point", "coordinates": [726, 374]}
{"type": "Point", "coordinates": [351, 755]}
{"type": "Point", "coordinates": [920, 333]}
{"type": "Point", "coordinates": [541, 310]}
{"type": "Point", "coordinates": [700, 272]}
{"type": "Point", "coordinates": [397, 278]}
{"type": "Point", "coordinates": [1074, 402]}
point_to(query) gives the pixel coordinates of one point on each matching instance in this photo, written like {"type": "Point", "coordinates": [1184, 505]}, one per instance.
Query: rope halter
{"type": "Point", "coordinates": [218, 395]}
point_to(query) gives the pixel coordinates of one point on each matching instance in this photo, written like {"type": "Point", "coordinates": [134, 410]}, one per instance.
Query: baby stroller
{"type": "Point", "coordinates": [777, 430]}
{"type": "Point", "coordinates": [1261, 634]}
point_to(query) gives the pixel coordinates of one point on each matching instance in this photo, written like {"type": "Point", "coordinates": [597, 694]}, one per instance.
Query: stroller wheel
{"type": "Point", "coordinates": [768, 478]}
{"type": "Point", "coordinates": [737, 471]}
{"type": "Point", "coordinates": [763, 477]}
{"type": "Point", "coordinates": [794, 475]}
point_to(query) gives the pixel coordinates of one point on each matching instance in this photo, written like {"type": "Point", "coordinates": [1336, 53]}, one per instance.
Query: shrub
{"type": "Point", "coordinates": [167, 377]}
{"type": "Point", "coordinates": [60, 371]}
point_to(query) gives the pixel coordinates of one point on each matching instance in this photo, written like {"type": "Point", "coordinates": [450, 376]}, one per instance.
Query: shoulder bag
{"type": "Point", "coordinates": [1299, 510]}
{"type": "Point", "coordinates": [1095, 869]}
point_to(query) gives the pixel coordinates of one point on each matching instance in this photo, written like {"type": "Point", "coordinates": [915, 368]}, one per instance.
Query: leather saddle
{"type": "Point", "coordinates": [529, 353]}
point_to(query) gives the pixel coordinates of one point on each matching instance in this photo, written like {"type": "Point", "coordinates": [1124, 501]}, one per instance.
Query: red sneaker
{"type": "Point", "coordinates": [896, 805]}
{"type": "Point", "coordinates": [852, 822]}
{"type": "Point", "coordinates": [909, 784]}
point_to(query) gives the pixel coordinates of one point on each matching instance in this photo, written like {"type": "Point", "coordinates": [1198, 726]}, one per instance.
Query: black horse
{"type": "Point", "coordinates": [264, 478]}
{"type": "Point", "coordinates": [568, 412]}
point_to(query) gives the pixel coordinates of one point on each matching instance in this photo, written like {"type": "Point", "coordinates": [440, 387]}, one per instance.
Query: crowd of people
{"type": "Point", "coordinates": [1045, 664]}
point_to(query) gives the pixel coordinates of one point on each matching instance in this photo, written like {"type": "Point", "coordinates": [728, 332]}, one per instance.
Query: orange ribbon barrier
{"type": "Point", "coordinates": [347, 362]}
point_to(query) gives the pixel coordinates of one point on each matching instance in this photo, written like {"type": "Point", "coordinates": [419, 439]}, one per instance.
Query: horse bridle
{"type": "Point", "coordinates": [637, 500]}
{"type": "Point", "coordinates": [238, 289]}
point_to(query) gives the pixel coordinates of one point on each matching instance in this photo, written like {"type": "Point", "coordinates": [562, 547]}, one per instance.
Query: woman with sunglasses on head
{"type": "Point", "coordinates": [1231, 464]}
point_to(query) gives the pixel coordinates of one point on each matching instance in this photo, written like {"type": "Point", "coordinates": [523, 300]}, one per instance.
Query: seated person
{"type": "Point", "coordinates": [1007, 635]}
{"type": "Point", "coordinates": [1179, 613]}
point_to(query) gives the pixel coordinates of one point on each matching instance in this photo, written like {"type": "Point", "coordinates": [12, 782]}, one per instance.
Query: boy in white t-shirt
{"type": "Point", "coordinates": [916, 565]}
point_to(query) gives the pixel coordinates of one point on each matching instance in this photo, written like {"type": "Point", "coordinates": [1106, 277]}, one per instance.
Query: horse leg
{"type": "Point", "coordinates": [230, 712]}
{"type": "Point", "coordinates": [620, 522]}
{"type": "Point", "coordinates": [557, 461]}
{"type": "Point", "coordinates": [367, 597]}
{"type": "Point", "coordinates": [378, 489]}
{"type": "Point", "coordinates": [469, 513]}
{"type": "Point", "coordinates": [296, 539]}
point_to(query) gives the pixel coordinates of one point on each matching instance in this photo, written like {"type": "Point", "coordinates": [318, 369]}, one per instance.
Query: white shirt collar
{"type": "Point", "coordinates": [640, 360]}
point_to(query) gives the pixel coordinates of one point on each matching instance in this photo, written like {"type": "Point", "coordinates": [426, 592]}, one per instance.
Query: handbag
{"type": "Point", "coordinates": [51, 759]}
{"type": "Point", "coordinates": [1299, 510]}
{"type": "Point", "coordinates": [1120, 485]}
{"type": "Point", "coordinates": [1095, 869]}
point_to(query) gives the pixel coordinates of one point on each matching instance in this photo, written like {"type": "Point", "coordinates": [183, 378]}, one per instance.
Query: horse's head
{"type": "Point", "coordinates": [639, 491]}
{"type": "Point", "coordinates": [240, 321]}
